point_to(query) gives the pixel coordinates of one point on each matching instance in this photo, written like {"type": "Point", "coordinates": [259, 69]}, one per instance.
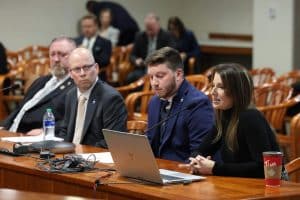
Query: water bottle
{"type": "Point", "coordinates": [48, 124]}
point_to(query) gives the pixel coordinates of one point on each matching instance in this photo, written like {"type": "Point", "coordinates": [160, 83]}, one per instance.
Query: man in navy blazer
{"type": "Point", "coordinates": [188, 112]}
{"type": "Point", "coordinates": [45, 92]}
{"type": "Point", "coordinates": [103, 106]}
{"type": "Point", "coordinates": [99, 46]}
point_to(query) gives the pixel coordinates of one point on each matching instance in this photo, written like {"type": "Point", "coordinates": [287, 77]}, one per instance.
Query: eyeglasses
{"type": "Point", "coordinates": [85, 68]}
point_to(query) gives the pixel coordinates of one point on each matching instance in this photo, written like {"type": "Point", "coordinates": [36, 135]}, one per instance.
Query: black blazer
{"type": "Point", "coordinates": [101, 50]}
{"type": "Point", "coordinates": [105, 109]}
{"type": "Point", "coordinates": [140, 46]}
{"type": "Point", "coordinates": [33, 118]}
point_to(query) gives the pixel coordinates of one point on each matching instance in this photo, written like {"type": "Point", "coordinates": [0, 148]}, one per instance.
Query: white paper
{"type": "Point", "coordinates": [104, 157]}
{"type": "Point", "coordinates": [30, 139]}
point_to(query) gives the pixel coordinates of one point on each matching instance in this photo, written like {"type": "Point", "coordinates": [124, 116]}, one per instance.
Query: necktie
{"type": "Point", "coordinates": [164, 112]}
{"type": "Point", "coordinates": [79, 119]}
{"type": "Point", "coordinates": [88, 43]}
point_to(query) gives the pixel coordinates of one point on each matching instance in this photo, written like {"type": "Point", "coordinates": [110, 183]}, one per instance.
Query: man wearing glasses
{"type": "Point", "coordinates": [92, 105]}
{"type": "Point", "coordinates": [45, 92]}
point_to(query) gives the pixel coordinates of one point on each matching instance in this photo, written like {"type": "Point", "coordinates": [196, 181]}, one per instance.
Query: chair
{"type": "Point", "coordinates": [33, 52]}
{"type": "Point", "coordinates": [142, 82]}
{"type": "Point", "coordinates": [121, 63]}
{"type": "Point", "coordinates": [275, 115]}
{"type": "Point", "coordinates": [199, 81]}
{"type": "Point", "coordinates": [293, 170]}
{"type": "Point", "coordinates": [262, 75]}
{"type": "Point", "coordinates": [136, 126]}
{"type": "Point", "coordinates": [272, 94]}
{"type": "Point", "coordinates": [289, 78]}
{"type": "Point", "coordinates": [137, 105]}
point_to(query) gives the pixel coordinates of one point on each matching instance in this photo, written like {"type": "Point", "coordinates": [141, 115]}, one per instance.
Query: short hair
{"type": "Point", "coordinates": [91, 17]}
{"type": "Point", "coordinates": [61, 38]}
{"type": "Point", "coordinates": [165, 55]}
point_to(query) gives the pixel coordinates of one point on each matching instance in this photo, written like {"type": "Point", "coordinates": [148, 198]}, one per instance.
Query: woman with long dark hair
{"type": "Point", "coordinates": [241, 134]}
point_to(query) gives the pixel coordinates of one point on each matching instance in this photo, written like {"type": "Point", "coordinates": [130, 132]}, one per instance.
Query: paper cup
{"type": "Point", "coordinates": [272, 168]}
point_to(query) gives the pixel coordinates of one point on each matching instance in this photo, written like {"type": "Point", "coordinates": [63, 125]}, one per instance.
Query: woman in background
{"type": "Point", "coordinates": [186, 42]}
{"type": "Point", "coordinates": [106, 30]}
{"type": "Point", "coordinates": [241, 133]}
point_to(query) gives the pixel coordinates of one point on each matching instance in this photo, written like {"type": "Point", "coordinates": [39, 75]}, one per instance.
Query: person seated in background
{"type": "Point", "coordinates": [188, 112]}
{"type": "Point", "coordinates": [100, 47]}
{"type": "Point", "coordinates": [186, 43]}
{"type": "Point", "coordinates": [153, 38]}
{"type": "Point", "coordinates": [92, 105]}
{"type": "Point", "coordinates": [45, 92]}
{"type": "Point", "coordinates": [122, 19]}
{"type": "Point", "coordinates": [241, 134]}
{"type": "Point", "coordinates": [106, 30]}
{"type": "Point", "coordinates": [3, 60]}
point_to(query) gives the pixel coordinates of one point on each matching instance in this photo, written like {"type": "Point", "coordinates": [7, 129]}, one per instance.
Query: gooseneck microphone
{"type": "Point", "coordinates": [170, 116]}
{"type": "Point", "coordinates": [14, 86]}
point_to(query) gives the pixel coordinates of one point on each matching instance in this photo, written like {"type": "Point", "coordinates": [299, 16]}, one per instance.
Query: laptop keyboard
{"type": "Point", "coordinates": [170, 178]}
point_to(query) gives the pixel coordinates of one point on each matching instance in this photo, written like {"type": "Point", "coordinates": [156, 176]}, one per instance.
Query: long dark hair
{"type": "Point", "coordinates": [178, 24]}
{"type": "Point", "coordinates": [238, 85]}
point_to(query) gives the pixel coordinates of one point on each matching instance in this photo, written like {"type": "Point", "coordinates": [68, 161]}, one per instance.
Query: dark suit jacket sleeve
{"type": "Point", "coordinates": [102, 52]}
{"type": "Point", "coordinates": [139, 49]}
{"type": "Point", "coordinates": [36, 85]}
{"type": "Point", "coordinates": [200, 122]}
{"type": "Point", "coordinates": [61, 128]}
{"type": "Point", "coordinates": [115, 114]}
{"type": "Point", "coordinates": [193, 46]}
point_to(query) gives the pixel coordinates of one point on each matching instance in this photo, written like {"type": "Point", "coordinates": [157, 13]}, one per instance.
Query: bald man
{"type": "Point", "coordinates": [153, 38]}
{"type": "Point", "coordinates": [92, 105]}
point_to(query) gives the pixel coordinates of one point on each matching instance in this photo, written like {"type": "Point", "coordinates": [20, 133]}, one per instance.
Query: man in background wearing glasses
{"type": "Point", "coordinates": [92, 105]}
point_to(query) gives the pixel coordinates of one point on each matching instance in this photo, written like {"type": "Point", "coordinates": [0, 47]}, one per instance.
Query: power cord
{"type": "Point", "coordinates": [70, 163]}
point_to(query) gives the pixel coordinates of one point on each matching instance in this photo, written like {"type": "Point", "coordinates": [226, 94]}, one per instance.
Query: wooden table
{"type": "Point", "coordinates": [10, 194]}
{"type": "Point", "coordinates": [21, 173]}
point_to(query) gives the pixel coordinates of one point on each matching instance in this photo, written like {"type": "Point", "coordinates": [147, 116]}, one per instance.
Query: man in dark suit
{"type": "Point", "coordinates": [189, 112]}
{"type": "Point", "coordinates": [90, 39]}
{"type": "Point", "coordinates": [92, 106]}
{"type": "Point", "coordinates": [46, 92]}
{"type": "Point", "coordinates": [153, 38]}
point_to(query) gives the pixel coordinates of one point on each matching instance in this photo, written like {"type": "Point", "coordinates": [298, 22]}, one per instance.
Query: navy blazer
{"type": "Point", "coordinates": [33, 118]}
{"type": "Point", "coordinates": [101, 50]}
{"type": "Point", "coordinates": [105, 109]}
{"type": "Point", "coordinates": [185, 130]}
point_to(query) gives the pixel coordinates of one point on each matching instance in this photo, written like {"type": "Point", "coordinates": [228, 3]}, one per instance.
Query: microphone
{"type": "Point", "coordinates": [14, 86]}
{"type": "Point", "coordinates": [173, 115]}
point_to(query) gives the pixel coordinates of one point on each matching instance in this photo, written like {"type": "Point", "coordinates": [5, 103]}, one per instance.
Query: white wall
{"type": "Point", "coordinates": [30, 22]}
{"type": "Point", "coordinates": [225, 16]}
{"type": "Point", "coordinates": [273, 36]}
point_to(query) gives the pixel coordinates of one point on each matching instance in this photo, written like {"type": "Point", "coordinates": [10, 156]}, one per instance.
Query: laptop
{"type": "Point", "coordinates": [134, 158]}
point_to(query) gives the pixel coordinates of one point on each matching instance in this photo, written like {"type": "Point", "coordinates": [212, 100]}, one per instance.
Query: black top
{"type": "Point", "coordinates": [254, 137]}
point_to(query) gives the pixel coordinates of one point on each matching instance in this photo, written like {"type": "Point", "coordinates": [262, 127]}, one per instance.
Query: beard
{"type": "Point", "coordinates": [169, 89]}
{"type": "Point", "coordinates": [58, 70]}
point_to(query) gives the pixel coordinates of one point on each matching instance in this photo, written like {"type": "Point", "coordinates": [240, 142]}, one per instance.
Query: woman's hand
{"type": "Point", "coordinates": [200, 165]}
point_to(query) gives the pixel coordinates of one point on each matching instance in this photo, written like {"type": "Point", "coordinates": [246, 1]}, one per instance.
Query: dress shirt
{"type": "Point", "coordinates": [89, 42]}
